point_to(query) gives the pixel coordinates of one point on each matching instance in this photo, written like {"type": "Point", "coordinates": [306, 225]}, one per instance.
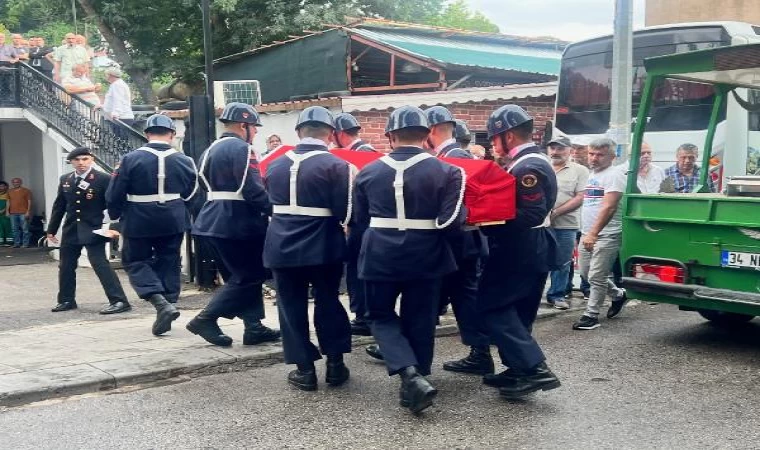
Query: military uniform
{"type": "Point", "coordinates": [234, 221]}
{"type": "Point", "coordinates": [82, 200]}
{"type": "Point", "coordinates": [305, 245]}
{"type": "Point", "coordinates": [521, 254]}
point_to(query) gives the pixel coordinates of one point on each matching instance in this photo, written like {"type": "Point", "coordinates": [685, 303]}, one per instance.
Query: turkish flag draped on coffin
{"type": "Point", "coordinates": [489, 192]}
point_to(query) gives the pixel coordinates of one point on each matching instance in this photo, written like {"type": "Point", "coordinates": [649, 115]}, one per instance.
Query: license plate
{"type": "Point", "coordinates": [740, 259]}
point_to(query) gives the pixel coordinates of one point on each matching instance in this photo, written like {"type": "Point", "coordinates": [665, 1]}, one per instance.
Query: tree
{"type": "Point", "coordinates": [459, 15]}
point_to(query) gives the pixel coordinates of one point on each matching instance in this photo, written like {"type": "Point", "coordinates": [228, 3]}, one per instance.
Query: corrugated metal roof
{"type": "Point", "coordinates": [457, 51]}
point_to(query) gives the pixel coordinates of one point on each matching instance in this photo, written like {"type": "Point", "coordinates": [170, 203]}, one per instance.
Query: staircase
{"type": "Point", "coordinates": [80, 123]}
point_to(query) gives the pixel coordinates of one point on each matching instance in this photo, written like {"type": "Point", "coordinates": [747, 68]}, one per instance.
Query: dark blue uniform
{"type": "Point", "coordinates": [460, 288]}
{"type": "Point", "coordinates": [305, 244]}
{"type": "Point", "coordinates": [235, 226]}
{"type": "Point", "coordinates": [83, 201]}
{"type": "Point", "coordinates": [153, 230]}
{"type": "Point", "coordinates": [408, 262]}
{"type": "Point", "coordinates": [521, 254]}
{"type": "Point", "coordinates": [362, 146]}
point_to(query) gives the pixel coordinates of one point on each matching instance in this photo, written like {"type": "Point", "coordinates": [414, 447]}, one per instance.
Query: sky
{"type": "Point", "coordinates": [570, 20]}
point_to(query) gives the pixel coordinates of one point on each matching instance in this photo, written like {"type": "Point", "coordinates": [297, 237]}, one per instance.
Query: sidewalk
{"type": "Point", "coordinates": [47, 355]}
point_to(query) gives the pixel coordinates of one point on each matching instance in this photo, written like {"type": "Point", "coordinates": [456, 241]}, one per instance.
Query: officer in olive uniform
{"type": "Point", "coordinates": [81, 197]}
{"type": "Point", "coordinates": [148, 192]}
{"type": "Point", "coordinates": [234, 221]}
{"type": "Point", "coordinates": [347, 134]}
{"type": "Point", "coordinates": [305, 244]}
{"type": "Point", "coordinates": [522, 252]}
{"type": "Point", "coordinates": [405, 203]}
{"type": "Point", "coordinates": [469, 246]}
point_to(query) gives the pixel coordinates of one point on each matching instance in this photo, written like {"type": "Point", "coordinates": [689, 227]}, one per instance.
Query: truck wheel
{"type": "Point", "coordinates": [723, 318]}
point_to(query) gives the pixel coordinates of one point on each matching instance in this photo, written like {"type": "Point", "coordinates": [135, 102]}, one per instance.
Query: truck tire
{"type": "Point", "coordinates": [724, 319]}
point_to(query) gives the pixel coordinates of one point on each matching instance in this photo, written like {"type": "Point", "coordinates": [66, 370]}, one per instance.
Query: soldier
{"type": "Point", "coordinates": [234, 221]}
{"type": "Point", "coordinates": [305, 244]}
{"type": "Point", "coordinates": [148, 192]}
{"type": "Point", "coordinates": [469, 246]}
{"type": "Point", "coordinates": [462, 135]}
{"type": "Point", "coordinates": [405, 203]}
{"type": "Point", "coordinates": [81, 197]}
{"type": "Point", "coordinates": [522, 252]}
{"type": "Point", "coordinates": [347, 134]}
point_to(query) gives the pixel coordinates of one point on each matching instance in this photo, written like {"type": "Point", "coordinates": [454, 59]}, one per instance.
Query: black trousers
{"type": "Point", "coordinates": [356, 290]}
{"type": "Point", "coordinates": [153, 265]}
{"type": "Point", "coordinates": [407, 339]}
{"type": "Point", "coordinates": [460, 289]}
{"type": "Point", "coordinates": [330, 318]}
{"type": "Point", "coordinates": [241, 294]}
{"type": "Point", "coordinates": [510, 324]}
{"type": "Point", "coordinates": [67, 278]}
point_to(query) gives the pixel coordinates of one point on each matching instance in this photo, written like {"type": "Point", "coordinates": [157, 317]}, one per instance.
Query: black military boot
{"type": "Point", "coordinates": [205, 326]}
{"type": "Point", "coordinates": [500, 379]}
{"type": "Point", "coordinates": [373, 350]}
{"type": "Point", "coordinates": [416, 392]}
{"type": "Point", "coordinates": [360, 327]}
{"type": "Point", "coordinates": [337, 372]}
{"type": "Point", "coordinates": [540, 378]}
{"type": "Point", "coordinates": [166, 313]}
{"type": "Point", "coordinates": [257, 333]}
{"type": "Point", "coordinates": [304, 378]}
{"type": "Point", "coordinates": [478, 362]}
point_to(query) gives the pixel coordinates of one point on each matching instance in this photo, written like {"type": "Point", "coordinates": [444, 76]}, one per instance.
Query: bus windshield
{"type": "Point", "coordinates": [583, 97]}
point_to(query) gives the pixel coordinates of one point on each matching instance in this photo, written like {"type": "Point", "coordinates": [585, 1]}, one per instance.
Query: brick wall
{"type": "Point", "coordinates": [475, 114]}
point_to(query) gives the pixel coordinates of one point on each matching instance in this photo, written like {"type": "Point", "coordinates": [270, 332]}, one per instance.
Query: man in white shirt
{"type": "Point", "coordinates": [650, 176]}
{"type": "Point", "coordinates": [602, 228]}
{"type": "Point", "coordinates": [118, 102]}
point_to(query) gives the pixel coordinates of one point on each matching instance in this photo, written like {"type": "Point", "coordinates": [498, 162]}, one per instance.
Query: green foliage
{"type": "Point", "coordinates": [459, 15]}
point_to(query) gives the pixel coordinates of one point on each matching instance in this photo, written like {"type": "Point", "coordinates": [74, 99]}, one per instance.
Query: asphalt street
{"type": "Point", "coordinates": [652, 378]}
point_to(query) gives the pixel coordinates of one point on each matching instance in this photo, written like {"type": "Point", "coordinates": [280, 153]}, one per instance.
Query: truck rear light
{"type": "Point", "coordinates": [659, 272]}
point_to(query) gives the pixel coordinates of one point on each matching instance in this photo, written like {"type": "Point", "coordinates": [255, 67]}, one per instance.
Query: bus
{"type": "Point", "coordinates": [681, 109]}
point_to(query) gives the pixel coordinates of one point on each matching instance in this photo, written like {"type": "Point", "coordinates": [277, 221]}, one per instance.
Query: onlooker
{"type": "Point", "coordinates": [650, 176]}
{"type": "Point", "coordinates": [6, 236]}
{"type": "Point", "coordinates": [683, 176]}
{"type": "Point", "coordinates": [67, 56]}
{"type": "Point", "coordinates": [79, 84]}
{"type": "Point", "coordinates": [565, 217]}
{"type": "Point", "coordinates": [273, 141]}
{"type": "Point", "coordinates": [579, 154]}
{"type": "Point", "coordinates": [21, 49]}
{"type": "Point", "coordinates": [20, 210]}
{"type": "Point", "coordinates": [478, 151]}
{"type": "Point", "coordinates": [118, 102]}
{"type": "Point", "coordinates": [602, 228]}
{"type": "Point", "coordinates": [8, 53]}
{"type": "Point", "coordinates": [38, 56]}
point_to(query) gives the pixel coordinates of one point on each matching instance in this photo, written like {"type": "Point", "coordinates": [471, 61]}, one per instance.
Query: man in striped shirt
{"type": "Point", "coordinates": [683, 176]}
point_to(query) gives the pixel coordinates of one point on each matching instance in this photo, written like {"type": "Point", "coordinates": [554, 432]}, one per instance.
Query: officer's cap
{"type": "Point", "coordinates": [407, 117]}
{"type": "Point", "coordinates": [77, 152]}
{"type": "Point", "coordinates": [159, 123]}
{"type": "Point", "coordinates": [316, 115]}
{"type": "Point", "coordinates": [506, 118]}
{"type": "Point", "coordinates": [438, 114]}
{"type": "Point", "coordinates": [345, 122]}
{"type": "Point", "coordinates": [237, 112]}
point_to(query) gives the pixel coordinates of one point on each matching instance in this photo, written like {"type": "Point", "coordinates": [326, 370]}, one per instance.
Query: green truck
{"type": "Point", "coordinates": [700, 251]}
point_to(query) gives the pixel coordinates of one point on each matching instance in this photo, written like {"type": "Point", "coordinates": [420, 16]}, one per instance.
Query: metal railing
{"type": "Point", "coordinates": [69, 114]}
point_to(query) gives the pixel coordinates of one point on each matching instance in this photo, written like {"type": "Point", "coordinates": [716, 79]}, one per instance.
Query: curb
{"type": "Point", "coordinates": [22, 388]}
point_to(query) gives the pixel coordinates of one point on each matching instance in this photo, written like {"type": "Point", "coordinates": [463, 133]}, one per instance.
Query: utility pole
{"type": "Point", "coordinates": [622, 78]}
{"type": "Point", "coordinates": [208, 54]}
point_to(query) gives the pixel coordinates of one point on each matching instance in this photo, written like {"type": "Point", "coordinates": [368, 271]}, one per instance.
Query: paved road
{"type": "Point", "coordinates": [653, 378]}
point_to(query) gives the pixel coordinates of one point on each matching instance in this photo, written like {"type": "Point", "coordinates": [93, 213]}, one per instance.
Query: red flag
{"type": "Point", "coordinates": [489, 194]}
{"type": "Point", "coordinates": [271, 156]}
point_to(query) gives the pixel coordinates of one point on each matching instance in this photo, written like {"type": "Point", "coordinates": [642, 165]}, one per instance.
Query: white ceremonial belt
{"type": "Point", "coordinates": [152, 198]}
{"type": "Point", "coordinates": [224, 195]}
{"type": "Point", "coordinates": [302, 211]}
{"type": "Point", "coordinates": [402, 224]}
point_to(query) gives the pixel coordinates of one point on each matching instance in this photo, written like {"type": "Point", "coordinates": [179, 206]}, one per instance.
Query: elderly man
{"type": "Point", "coordinates": [67, 56]}
{"type": "Point", "coordinates": [118, 101]}
{"type": "Point", "coordinates": [602, 227]}
{"type": "Point", "coordinates": [79, 84]}
{"type": "Point", "coordinates": [565, 216]}
{"type": "Point", "coordinates": [21, 48]}
{"type": "Point", "coordinates": [683, 176]}
{"type": "Point", "coordinates": [8, 53]}
{"type": "Point", "coordinates": [650, 176]}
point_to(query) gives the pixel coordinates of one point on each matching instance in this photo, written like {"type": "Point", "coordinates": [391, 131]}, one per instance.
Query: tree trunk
{"type": "Point", "coordinates": [142, 78]}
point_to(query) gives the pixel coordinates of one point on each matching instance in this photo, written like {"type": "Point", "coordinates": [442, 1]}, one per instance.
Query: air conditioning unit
{"type": "Point", "coordinates": [244, 91]}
